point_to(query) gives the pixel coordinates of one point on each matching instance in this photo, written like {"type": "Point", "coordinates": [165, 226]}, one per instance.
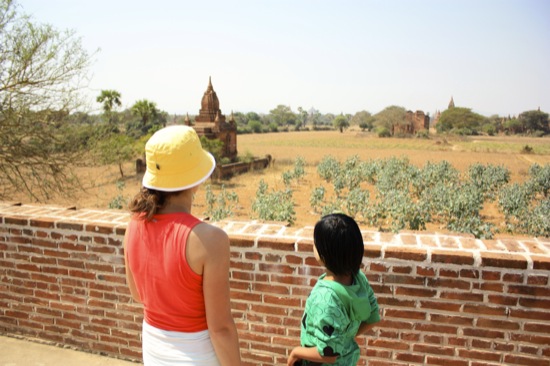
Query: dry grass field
{"type": "Point", "coordinates": [100, 186]}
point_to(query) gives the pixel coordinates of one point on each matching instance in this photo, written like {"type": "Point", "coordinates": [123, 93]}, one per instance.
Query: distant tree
{"type": "Point", "coordinates": [145, 110]}
{"type": "Point", "coordinates": [314, 117]}
{"type": "Point", "coordinates": [282, 115]}
{"type": "Point", "coordinates": [150, 117]}
{"type": "Point", "coordinates": [391, 116]}
{"type": "Point", "coordinates": [214, 146]}
{"type": "Point", "coordinates": [255, 126]}
{"type": "Point", "coordinates": [42, 72]}
{"type": "Point", "coordinates": [301, 118]}
{"type": "Point", "coordinates": [109, 99]}
{"type": "Point", "coordinates": [340, 123]}
{"type": "Point", "coordinates": [513, 126]}
{"type": "Point", "coordinates": [116, 149]}
{"type": "Point", "coordinates": [460, 120]}
{"type": "Point", "coordinates": [533, 121]}
{"type": "Point", "coordinates": [327, 119]}
{"type": "Point", "coordinates": [362, 119]}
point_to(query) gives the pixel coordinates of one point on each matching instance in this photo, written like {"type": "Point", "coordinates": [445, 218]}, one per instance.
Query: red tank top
{"type": "Point", "coordinates": [169, 289]}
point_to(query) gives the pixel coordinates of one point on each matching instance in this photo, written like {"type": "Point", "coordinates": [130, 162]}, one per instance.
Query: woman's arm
{"type": "Point", "coordinates": [129, 277]}
{"type": "Point", "coordinates": [308, 353]}
{"type": "Point", "coordinates": [221, 326]}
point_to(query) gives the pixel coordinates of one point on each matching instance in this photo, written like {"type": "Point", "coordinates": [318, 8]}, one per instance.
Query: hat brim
{"type": "Point", "coordinates": [180, 182]}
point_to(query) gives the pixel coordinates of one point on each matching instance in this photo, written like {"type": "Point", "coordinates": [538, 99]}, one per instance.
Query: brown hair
{"type": "Point", "coordinates": [149, 202]}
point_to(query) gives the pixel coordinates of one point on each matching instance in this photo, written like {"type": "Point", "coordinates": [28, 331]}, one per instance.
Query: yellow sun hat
{"type": "Point", "coordinates": [176, 160]}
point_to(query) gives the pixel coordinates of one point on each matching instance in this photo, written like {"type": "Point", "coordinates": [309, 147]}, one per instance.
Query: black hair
{"type": "Point", "coordinates": [339, 242]}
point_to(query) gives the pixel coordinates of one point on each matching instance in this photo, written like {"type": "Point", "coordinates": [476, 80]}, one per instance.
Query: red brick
{"type": "Point", "coordinates": [448, 283]}
{"type": "Point", "coordinates": [502, 300]}
{"type": "Point", "coordinates": [18, 220]}
{"type": "Point", "coordinates": [530, 314]}
{"type": "Point", "coordinates": [537, 327]}
{"type": "Point", "coordinates": [497, 324]}
{"type": "Point", "coordinates": [521, 360]}
{"type": "Point", "coordinates": [452, 257]}
{"type": "Point", "coordinates": [425, 271]}
{"type": "Point", "coordinates": [45, 222]}
{"type": "Point", "coordinates": [405, 314]}
{"type": "Point", "coordinates": [73, 226]}
{"type": "Point", "coordinates": [535, 303]}
{"type": "Point", "coordinates": [513, 277]}
{"type": "Point", "coordinates": [387, 343]}
{"type": "Point", "coordinates": [537, 280]}
{"type": "Point", "coordinates": [100, 229]}
{"type": "Point", "coordinates": [540, 262]}
{"type": "Point", "coordinates": [276, 243]}
{"type": "Point", "coordinates": [483, 333]}
{"type": "Point", "coordinates": [413, 254]}
{"type": "Point", "coordinates": [417, 292]}
{"type": "Point", "coordinates": [410, 358]}
{"type": "Point", "coordinates": [436, 328]}
{"type": "Point", "coordinates": [503, 260]}
{"type": "Point", "coordinates": [372, 251]}
{"type": "Point", "coordinates": [529, 290]}
{"type": "Point", "coordinates": [431, 349]}
{"type": "Point", "coordinates": [431, 360]}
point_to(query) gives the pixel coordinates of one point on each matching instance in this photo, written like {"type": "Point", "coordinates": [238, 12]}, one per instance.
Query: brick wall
{"type": "Point", "coordinates": [445, 300]}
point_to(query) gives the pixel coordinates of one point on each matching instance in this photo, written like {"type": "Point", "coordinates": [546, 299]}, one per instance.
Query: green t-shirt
{"type": "Point", "coordinates": [333, 315]}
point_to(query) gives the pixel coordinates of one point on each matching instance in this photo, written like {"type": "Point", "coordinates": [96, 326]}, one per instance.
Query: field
{"type": "Point", "coordinates": [100, 183]}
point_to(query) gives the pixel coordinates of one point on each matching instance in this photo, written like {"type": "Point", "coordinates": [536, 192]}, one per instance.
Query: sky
{"type": "Point", "coordinates": [337, 56]}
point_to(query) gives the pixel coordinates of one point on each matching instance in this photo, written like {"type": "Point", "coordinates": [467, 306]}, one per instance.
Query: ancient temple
{"type": "Point", "coordinates": [211, 123]}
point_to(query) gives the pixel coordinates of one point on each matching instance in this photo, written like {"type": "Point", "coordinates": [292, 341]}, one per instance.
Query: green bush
{"type": "Point", "coordinates": [221, 206]}
{"type": "Point", "coordinates": [275, 205]}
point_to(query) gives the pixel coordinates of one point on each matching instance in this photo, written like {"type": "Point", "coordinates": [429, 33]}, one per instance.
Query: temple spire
{"type": "Point", "coordinates": [451, 103]}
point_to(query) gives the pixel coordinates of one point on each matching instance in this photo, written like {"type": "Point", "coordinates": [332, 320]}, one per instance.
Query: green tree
{"type": "Point", "coordinates": [513, 126]}
{"type": "Point", "coordinates": [282, 115]}
{"type": "Point", "coordinates": [533, 121]}
{"type": "Point", "coordinates": [460, 120]}
{"type": "Point", "coordinates": [116, 149]}
{"type": "Point", "coordinates": [391, 116]}
{"type": "Point", "coordinates": [301, 118]}
{"type": "Point", "coordinates": [42, 73]}
{"type": "Point", "coordinates": [145, 110]}
{"type": "Point", "coordinates": [340, 123]}
{"type": "Point", "coordinates": [150, 117]}
{"type": "Point", "coordinates": [362, 118]}
{"type": "Point", "coordinates": [110, 99]}
{"type": "Point", "coordinates": [314, 117]}
{"type": "Point", "coordinates": [214, 147]}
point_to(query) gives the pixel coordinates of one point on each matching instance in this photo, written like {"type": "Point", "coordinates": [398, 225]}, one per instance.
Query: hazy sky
{"type": "Point", "coordinates": [492, 56]}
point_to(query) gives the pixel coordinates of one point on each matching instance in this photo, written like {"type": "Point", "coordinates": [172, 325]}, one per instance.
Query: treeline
{"type": "Point", "coordinates": [144, 115]}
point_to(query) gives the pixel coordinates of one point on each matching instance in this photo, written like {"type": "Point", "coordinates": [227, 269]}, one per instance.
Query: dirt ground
{"type": "Point", "coordinates": [100, 183]}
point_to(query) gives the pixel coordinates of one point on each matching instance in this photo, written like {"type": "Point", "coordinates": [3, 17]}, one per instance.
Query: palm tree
{"type": "Point", "coordinates": [109, 98]}
{"type": "Point", "coordinates": [146, 110]}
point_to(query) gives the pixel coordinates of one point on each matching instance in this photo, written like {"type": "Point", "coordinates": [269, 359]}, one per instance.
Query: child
{"type": "Point", "coordinates": [342, 304]}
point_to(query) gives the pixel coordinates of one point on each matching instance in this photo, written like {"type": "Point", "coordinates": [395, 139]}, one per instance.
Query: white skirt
{"type": "Point", "coordinates": [169, 348]}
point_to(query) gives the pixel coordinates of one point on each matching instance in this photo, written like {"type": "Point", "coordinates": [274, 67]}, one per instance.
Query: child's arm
{"type": "Point", "coordinates": [308, 353]}
{"type": "Point", "coordinates": [363, 328]}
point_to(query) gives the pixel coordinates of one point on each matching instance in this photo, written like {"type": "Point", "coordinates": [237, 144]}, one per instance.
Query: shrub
{"type": "Point", "coordinates": [221, 206]}
{"type": "Point", "coordinates": [274, 206]}
{"type": "Point", "coordinates": [527, 150]}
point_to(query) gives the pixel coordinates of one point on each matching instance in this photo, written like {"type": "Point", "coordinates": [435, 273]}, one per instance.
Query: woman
{"type": "Point", "coordinates": [177, 265]}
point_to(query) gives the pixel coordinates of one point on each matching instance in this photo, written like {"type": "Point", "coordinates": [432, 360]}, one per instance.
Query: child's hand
{"type": "Point", "coordinates": [293, 360]}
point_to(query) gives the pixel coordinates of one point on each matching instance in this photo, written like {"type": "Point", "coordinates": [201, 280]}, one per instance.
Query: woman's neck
{"type": "Point", "coordinates": [178, 203]}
